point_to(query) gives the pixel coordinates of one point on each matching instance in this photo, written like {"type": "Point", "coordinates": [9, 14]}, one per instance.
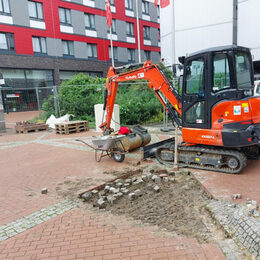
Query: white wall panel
{"type": "Point", "coordinates": [248, 26]}
{"type": "Point", "coordinates": [199, 25]}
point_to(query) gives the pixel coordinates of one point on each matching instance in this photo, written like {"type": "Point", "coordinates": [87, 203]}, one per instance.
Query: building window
{"type": "Point", "coordinates": [4, 7]}
{"type": "Point", "coordinates": [90, 21]}
{"type": "Point", "coordinates": [35, 10]}
{"type": "Point", "coordinates": [115, 53]}
{"type": "Point", "coordinates": [146, 30]}
{"type": "Point", "coordinates": [129, 4]}
{"type": "Point", "coordinates": [92, 50]}
{"type": "Point", "coordinates": [65, 16]}
{"type": "Point", "coordinates": [131, 55]}
{"type": "Point", "coordinates": [39, 45]}
{"type": "Point", "coordinates": [130, 29]}
{"type": "Point", "coordinates": [7, 41]}
{"type": "Point", "coordinates": [145, 7]}
{"type": "Point", "coordinates": [147, 55]}
{"type": "Point", "coordinates": [67, 75]}
{"type": "Point", "coordinates": [68, 48]}
{"type": "Point", "coordinates": [113, 26]}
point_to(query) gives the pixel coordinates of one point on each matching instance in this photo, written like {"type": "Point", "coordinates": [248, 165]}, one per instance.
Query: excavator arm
{"type": "Point", "coordinates": [157, 82]}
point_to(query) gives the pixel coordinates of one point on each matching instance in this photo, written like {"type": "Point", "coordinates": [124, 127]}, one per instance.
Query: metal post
{"type": "Point", "coordinates": [138, 32]}
{"type": "Point", "coordinates": [38, 100]}
{"type": "Point", "coordinates": [56, 101]}
{"type": "Point", "coordinates": [175, 165]}
{"type": "Point", "coordinates": [235, 22]}
{"type": "Point", "coordinates": [2, 118]}
{"type": "Point", "coordinates": [111, 44]}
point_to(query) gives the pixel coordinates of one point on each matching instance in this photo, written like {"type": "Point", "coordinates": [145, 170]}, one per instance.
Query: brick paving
{"type": "Point", "coordinates": [223, 186]}
{"type": "Point", "coordinates": [85, 234]}
{"type": "Point", "coordinates": [31, 166]}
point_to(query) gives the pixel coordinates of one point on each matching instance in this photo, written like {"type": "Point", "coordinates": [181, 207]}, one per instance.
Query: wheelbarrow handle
{"type": "Point", "coordinates": [78, 140]}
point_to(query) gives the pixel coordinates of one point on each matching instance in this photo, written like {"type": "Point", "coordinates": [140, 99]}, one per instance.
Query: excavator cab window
{"type": "Point", "coordinates": [221, 78]}
{"type": "Point", "coordinates": [194, 77]}
{"type": "Point", "coordinates": [243, 70]}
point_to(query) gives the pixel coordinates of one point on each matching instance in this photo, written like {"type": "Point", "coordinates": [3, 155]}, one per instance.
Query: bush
{"type": "Point", "coordinates": [138, 104]}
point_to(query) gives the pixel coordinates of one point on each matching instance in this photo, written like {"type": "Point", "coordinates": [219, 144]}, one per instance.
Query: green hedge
{"type": "Point", "coordinates": [138, 103]}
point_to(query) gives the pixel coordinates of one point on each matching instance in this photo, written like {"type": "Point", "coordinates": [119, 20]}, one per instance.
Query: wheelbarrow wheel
{"type": "Point", "coordinates": [118, 157]}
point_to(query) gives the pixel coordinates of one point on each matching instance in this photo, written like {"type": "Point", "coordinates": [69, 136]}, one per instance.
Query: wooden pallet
{"type": "Point", "coordinates": [27, 127]}
{"type": "Point", "coordinates": [71, 127]}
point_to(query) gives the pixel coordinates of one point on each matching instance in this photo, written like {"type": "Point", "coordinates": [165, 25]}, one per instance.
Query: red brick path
{"type": "Point", "coordinates": [28, 168]}
{"type": "Point", "coordinates": [84, 234]}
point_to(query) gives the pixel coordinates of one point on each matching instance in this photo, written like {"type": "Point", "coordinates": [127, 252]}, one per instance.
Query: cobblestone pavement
{"type": "Point", "coordinates": [236, 221]}
{"type": "Point", "coordinates": [34, 219]}
{"type": "Point", "coordinates": [84, 234]}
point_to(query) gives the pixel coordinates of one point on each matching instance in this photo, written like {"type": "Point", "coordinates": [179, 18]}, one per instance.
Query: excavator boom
{"type": "Point", "coordinates": [157, 82]}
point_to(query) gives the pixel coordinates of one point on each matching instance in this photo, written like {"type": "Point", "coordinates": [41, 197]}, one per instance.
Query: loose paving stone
{"type": "Point", "coordinates": [124, 191]}
{"type": "Point", "coordinates": [107, 188]}
{"type": "Point", "coordinates": [119, 195]}
{"type": "Point", "coordinates": [111, 199]}
{"type": "Point", "coordinates": [119, 184]}
{"type": "Point", "coordinates": [132, 196]}
{"type": "Point", "coordinates": [25, 223]}
{"type": "Point", "coordinates": [94, 192]}
{"type": "Point", "coordinates": [144, 177]}
{"type": "Point", "coordinates": [156, 188]}
{"type": "Point", "coordinates": [236, 196]}
{"type": "Point", "coordinates": [129, 181]}
{"type": "Point", "coordinates": [101, 203]}
{"type": "Point", "coordinates": [138, 181]}
{"type": "Point", "coordinates": [165, 179]}
{"type": "Point", "coordinates": [44, 191]}
{"type": "Point", "coordinates": [114, 190]}
{"type": "Point", "coordinates": [138, 193]}
{"type": "Point", "coordinates": [102, 193]}
{"type": "Point", "coordinates": [156, 179]}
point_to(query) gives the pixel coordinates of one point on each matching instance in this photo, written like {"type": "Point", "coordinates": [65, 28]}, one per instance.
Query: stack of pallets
{"type": "Point", "coordinates": [71, 127]}
{"type": "Point", "coordinates": [26, 127]}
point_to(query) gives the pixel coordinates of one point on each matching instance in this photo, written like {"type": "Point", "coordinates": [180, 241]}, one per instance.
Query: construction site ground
{"type": "Point", "coordinates": [52, 226]}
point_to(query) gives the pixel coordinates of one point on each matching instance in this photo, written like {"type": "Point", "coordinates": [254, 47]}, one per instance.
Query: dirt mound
{"type": "Point", "coordinates": [178, 207]}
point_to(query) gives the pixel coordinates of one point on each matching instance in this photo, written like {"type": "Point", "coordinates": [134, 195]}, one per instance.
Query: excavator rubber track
{"type": "Point", "coordinates": [204, 158]}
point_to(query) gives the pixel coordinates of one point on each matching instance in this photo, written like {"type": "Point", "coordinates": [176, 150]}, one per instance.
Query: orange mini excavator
{"type": "Point", "coordinates": [218, 114]}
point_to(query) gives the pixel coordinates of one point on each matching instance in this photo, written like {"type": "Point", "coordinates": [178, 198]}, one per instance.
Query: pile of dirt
{"type": "Point", "coordinates": [178, 207]}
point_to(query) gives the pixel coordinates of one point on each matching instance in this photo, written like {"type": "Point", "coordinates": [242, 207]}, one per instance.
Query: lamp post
{"type": "Point", "coordinates": [138, 32]}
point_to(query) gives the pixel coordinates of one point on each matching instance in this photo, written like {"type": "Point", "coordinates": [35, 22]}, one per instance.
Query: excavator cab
{"type": "Point", "coordinates": [211, 76]}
